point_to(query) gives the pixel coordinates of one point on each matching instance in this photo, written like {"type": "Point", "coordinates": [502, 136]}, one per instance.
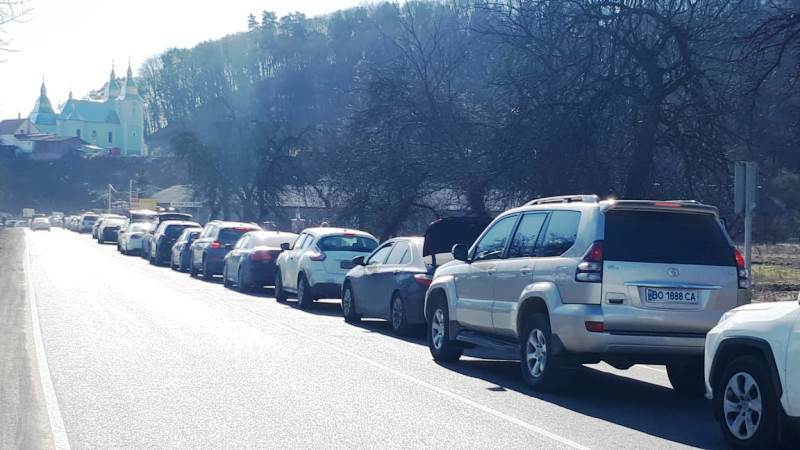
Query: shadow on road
{"type": "Point", "coordinates": [642, 406]}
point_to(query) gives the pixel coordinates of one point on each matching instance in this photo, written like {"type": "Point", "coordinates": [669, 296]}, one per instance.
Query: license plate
{"type": "Point", "coordinates": [688, 297]}
{"type": "Point", "coordinates": [346, 264]}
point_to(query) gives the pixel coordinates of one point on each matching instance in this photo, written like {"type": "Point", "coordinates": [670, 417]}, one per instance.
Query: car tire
{"type": "Point", "coordinates": [192, 270]}
{"type": "Point", "coordinates": [225, 281]}
{"type": "Point", "coordinates": [241, 282]}
{"type": "Point", "coordinates": [540, 368]}
{"type": "Point", "coordinates": [280, 295]}
{"type": "Point", "coordinates": [304, 298]}
{"type": "Point", "coordinates": [687, 379]}
{"type": "Point", "coordinates": [100, 241]}
{"type": "Point", "coordinates": [206, 271]}
{"type": "Point", "coordinates": [442, 348]}
{"type": "Point", "coordinates": [398, 318]}
{"type": "Point", "coordinates": [751, 373]}
{"type": "Point", "coordinates": [349, 305]}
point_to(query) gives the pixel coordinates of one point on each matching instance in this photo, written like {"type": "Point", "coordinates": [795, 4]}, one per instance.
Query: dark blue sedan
{"type": "Point", "coordinates": [251, 263]}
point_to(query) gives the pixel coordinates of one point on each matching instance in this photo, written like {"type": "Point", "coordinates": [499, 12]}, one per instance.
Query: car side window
{"type": "Point", "coordinates": [298, 242]}
{"type": "Point", "coordinates": [524, 242]}
{"type": "Point", "coordinates": [379, 256]}
{"type": "Point", "coordinates": [398, 252]}
{"type": "Point", "coordinates": [242, 242]}
{"type": "Point", "coordinates": [493, 242]}
{"type": "Point", "coordinates": [308, 242]}
{"type": "Point", "coordinates": [562, 230]}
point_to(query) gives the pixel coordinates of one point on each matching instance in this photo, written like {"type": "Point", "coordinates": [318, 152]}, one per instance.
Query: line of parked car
{"type": "Point", "coordinates": [556, 283]}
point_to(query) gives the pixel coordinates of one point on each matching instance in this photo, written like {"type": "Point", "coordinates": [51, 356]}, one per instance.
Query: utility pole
{"type": "Point", "coordinates": [109, 199]}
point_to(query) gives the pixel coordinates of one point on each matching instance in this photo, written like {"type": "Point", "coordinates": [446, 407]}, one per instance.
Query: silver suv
{"type": "Point", "coordinates": [572, 280]}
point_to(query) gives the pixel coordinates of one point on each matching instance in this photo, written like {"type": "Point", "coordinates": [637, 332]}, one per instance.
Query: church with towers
{"type": "Point", "coordinates": [112, 120]}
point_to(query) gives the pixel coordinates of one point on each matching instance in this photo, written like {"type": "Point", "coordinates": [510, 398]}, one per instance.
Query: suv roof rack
{"type": "Point", "coordinates": [565, 199]}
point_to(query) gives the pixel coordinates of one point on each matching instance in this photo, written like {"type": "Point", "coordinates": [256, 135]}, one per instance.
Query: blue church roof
{"type": "Point", "coordinates": [89, 111]}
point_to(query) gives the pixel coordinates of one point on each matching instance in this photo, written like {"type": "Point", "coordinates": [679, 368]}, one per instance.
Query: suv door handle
{"type": "Point", "coordinates": [526, 270]}
{"type": "Point", "coordinates": [492, 270]}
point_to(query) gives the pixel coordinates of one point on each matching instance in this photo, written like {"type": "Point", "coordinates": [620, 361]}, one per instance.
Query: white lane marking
{"type": "Point", "coordinates": [530, 427]}
{"type": "Point", "coordinates": [654, 369]}
{"type": "Point", "coordinates": [57, 429]}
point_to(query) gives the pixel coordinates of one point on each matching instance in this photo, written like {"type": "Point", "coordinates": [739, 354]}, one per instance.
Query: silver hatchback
{"type": "Point", "coordinates": [570, 280]}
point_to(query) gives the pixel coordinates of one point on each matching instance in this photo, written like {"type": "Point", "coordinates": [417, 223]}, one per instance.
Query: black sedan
{"type": "Point", "coordinates": [251, 263]}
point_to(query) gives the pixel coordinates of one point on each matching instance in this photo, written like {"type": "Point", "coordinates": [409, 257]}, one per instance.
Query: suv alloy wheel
{"type": "Point", "coordinates": [397, 313]}
{"type": "Point", "coordinates": [746, 404]}
{"type": "Point", "coordinates": [538, 364]}
{"type": "Point", "coordinates": [439, 343]}
{"type": "Point", "coordinates": [304, 298]}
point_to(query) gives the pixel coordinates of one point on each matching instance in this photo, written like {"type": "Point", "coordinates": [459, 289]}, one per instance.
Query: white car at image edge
{"type": "Point", "coordinates": [752, 372]}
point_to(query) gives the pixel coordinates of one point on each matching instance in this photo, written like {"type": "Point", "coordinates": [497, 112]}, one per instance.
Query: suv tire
{"type": "Point", "coordinates": [349, 305]}
{"type": "Point", "coordinates": [540, 368]}
{"type": "Point", "coordinates": [398, 318]}
{"type": "Point", "coordinates": [304, 298]}
{"type": "Point", "coordinates": [241, 282]}
{"type": "Point", "coordinates": [280, 294]}
{"type": "Point", "coordinates": [192, 270]}
{"type": "Point", "coordinates": [225, 281]}
{"type": "Point", "coordinates": [687, 379]}
{"type": "Point", "coordinates": [438, 331]}
{"type": "Point", "coordinates": [747, 371]}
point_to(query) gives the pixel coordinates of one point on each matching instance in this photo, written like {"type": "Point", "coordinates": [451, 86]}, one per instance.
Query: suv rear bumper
{"type": "Point", "coordinates": [568, 323]}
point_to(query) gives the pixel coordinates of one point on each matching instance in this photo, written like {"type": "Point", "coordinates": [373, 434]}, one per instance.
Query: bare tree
{"type": "Point", "coordinates": [11, 11]}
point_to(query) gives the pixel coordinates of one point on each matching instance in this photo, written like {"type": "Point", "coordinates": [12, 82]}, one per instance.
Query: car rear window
{"type": "Point", "coordinates": [666, 237]}
{"type": "Point", "coordinates": [231, 235]}
{"type": "Point", "coordinates": [174, 231]}
{"type": "Point", "coordinates": [347, 244]}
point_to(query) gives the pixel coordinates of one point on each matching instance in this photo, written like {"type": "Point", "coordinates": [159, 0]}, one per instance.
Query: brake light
{"type": "Point", "coordinates": [590, 269]}
{"type": "Point", "coordinates": [595, 327]}
{"type": "Point", "coordinates": [215, 245]}
{"type": "Point", "coordinates": [668, 204]}
{"type": "Point", "coordinates": [317, 255]}
{"type": "Point", "coordinates": [245, 229]}
{"type": "Point", "coordinates": [261, 255]}
{"type": "Point", "coordinates": [423, 279]}
{"type": "Point", "coordinates": [741, 270]}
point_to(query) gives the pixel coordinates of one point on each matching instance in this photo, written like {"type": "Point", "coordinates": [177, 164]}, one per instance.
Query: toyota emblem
{"type": "Point", "coordinates": [673, 272]}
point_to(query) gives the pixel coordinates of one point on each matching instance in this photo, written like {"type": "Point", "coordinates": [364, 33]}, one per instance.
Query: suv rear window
{"type": "Point", "coordinates": [347, 244]}
{"type": "Point", "coordinates": [174, 231]}
{"type": "Point", "coordinates": [231, 235]}
{"type": "Point", "coordinates": [666, 237]}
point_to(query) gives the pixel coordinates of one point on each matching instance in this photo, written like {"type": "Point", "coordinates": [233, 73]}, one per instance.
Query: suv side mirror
{"type": "Point", "coordinates": [358, 261]}
{"type": "Point", "coordinates": [460, 252]}
{"type": "Point", "coordinates": [285, 246]}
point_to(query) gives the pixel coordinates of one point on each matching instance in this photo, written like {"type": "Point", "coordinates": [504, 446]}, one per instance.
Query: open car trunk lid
{"type": "Point", "coordinates": [443, 234]}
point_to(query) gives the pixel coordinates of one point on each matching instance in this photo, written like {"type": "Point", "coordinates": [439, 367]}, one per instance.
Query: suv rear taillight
{"type": "Point", "coordinates": [423, 279]}
{"type": "Point", "coordinates": [590, 269]}
{"type": "Point", "coordinates": [316, 255]}
{"type": "Point", "coordinates": [215, 245]}
{"type": "Point", "coordinates": [741, 270]}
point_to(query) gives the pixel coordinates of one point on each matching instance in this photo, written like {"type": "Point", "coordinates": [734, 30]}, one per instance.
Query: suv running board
{"type": "Point", "coordinates": [499, 348]}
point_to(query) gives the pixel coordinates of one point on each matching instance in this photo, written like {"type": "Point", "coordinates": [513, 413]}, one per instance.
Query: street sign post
{"type": "Point", "coordinates": [744, 199]}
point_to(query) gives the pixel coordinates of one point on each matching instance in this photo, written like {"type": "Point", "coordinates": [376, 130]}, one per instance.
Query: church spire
{"type": "Point", "coordinates": [130, 72]}
{"type": "Point", "coordinates": [43, 89]}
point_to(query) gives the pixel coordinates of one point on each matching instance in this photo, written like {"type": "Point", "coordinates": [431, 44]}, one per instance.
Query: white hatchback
{"type": "Point", "coordinates": [316, 264]}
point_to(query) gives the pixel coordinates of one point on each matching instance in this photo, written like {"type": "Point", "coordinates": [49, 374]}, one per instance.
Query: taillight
{"type": "Point", "coordinates": [590, 269]}
{"type": "Point", "coordinates": [595, 327]}
{"type": "Point", "coordinates": [423, 279]}
{"type": "Point", "coordinates": [215, 245]}
{"type": "Point", "coordinates": [741, 270]}
{"type": "Point", "coordinates": [316, 255]}
{"type": "Point", "coordinates": [261, 255]}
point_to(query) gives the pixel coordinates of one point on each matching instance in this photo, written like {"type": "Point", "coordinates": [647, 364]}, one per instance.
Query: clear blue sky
{"type": "Point", "coordinates": [72, 42]}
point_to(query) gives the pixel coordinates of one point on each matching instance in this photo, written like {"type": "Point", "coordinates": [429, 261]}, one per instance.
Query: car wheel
{"type": "Point", "coordinates": [242, 283]}
{"type": "Point", "coordinates": [687, 379]}
{"type": "Point", "coordinates": [225, 281]}
{"type": "Point", "coordinates": [398, 320]}
{"type": "Point", "coordinates": [442, 348]}
{"type": "Point", "coordinates": [100, 241]}
{"type": "Point", "coordinates": [349, 305]}
{"type": "Point", "coordinates": [746, 404]}
{"type": "Point", "coordinates": [280, 295]}
{"type": "Point", "coordinates": [192, 270]}
{"type": "Point", "coordinates": [537, 362]}
{"type": "Point", "coordinates": [207, 275]}
{"type": "Point", "coordinates": [304, 298]}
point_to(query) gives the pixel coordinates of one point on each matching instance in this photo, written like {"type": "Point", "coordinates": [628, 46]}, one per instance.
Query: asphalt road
{"type": "Point", "coordinates": [141, 356]}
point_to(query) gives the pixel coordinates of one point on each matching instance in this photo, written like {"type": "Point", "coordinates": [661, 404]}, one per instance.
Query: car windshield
{"type": "Point", "coordinates": [173, 231]}
{"type": "Point", "coordinates": [231, 235]}
{"type": "Point", "coordinates": [666, 237]}
{"type": "Point", "coordinates": [347, 243]}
